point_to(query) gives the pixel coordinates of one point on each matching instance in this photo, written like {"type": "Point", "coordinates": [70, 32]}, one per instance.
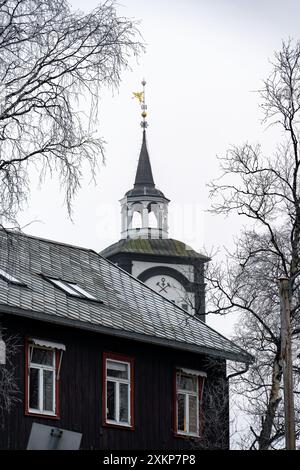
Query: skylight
{"type": "Point", "coordinates": [81, 291]}
{"type": "Point", "coordinates": [72, 289]}
{"type": "Point", "coordinates": [10, 278]}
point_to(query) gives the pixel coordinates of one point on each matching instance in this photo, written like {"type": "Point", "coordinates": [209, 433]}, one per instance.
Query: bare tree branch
{"type": "Point", "coordinates": [265, 190]}
{"type": "Point", "coordinates": [53, 63]}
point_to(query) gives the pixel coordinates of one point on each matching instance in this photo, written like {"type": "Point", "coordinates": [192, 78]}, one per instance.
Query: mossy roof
{"type": "Point", "coordinates": [158, 247]}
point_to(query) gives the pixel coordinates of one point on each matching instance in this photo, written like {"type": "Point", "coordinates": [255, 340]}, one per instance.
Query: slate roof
{"type": "Point", "coordinates": [130, 309]}
{"type": "Point", "coordinates": [160, 247]}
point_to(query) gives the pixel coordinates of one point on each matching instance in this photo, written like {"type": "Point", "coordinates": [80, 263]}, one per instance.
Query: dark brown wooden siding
{"type": "Point", "coordinates": [81, 391]}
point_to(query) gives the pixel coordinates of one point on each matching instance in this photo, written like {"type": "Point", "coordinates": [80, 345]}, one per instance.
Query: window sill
{"type": "Point", "coordinates": [37, 414]}
{"type": "Point", "coordinates": [180, 435]}
{"type": "Point", "coordinates": [126, 427]}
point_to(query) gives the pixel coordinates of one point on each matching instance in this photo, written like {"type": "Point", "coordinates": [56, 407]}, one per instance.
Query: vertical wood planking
{"type": "Point", "coordinates": [81, 390]}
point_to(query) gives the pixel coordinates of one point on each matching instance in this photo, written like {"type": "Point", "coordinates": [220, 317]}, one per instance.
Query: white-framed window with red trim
{"type": "Point", "coordinates": [188, 401]}
{"type": "Point", "coordinates": [43, 362]}
{"type": "Point", "coordinates": [118, 390]}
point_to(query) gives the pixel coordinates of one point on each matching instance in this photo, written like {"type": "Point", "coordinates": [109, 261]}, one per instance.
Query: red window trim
{"type": "Point", "coordinates": [26, 384]}
{"type": "Point", "coordinates": [201, 412]}
{"type": "Point", "coordinates": [130, 360]}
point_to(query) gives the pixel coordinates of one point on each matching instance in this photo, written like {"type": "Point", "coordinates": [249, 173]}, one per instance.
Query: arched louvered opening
{"type": "Point", "coordinates": [152, 220]}
{"type": "Point", "coordinates": [136, 220]}
{"type": "Point", "coordinates": [153, 215]}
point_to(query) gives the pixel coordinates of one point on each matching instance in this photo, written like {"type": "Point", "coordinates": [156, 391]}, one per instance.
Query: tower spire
{"type": "Point", "coordinates": [144, 207]}
{"type": "Point", "coordinates": [144, 176]}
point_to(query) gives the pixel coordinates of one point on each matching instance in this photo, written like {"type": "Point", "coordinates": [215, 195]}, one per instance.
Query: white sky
{"type": "Point", "coordinates": [204, 59]}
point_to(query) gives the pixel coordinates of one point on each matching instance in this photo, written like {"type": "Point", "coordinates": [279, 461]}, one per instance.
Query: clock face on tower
{"type": "Point", "coordinates": [172, 289]}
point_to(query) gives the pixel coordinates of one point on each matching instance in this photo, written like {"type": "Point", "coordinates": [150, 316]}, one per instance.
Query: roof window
{"type": "Point", "coordinates": [72, 288]}
{"type": "Point", "coordinates": [9, 278]}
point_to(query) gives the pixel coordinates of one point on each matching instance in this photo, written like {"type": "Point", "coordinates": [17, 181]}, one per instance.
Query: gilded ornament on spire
{"type": "Point", "coordinates": [140, 96]}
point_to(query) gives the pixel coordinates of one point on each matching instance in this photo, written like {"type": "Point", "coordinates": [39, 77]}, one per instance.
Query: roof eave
{"type": "Point", "coordinates": [44, 317]}
{"type": "Point", "coordinates": [118, 248]}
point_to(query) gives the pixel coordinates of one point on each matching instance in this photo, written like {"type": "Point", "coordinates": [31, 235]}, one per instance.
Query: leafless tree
{"type": "Point", "coordinates": [265, 189]}
{"type": "Point", "coordinates": [9, 387]}
{"type": "Point", "coordinates": [215, 417]}
{"type": "Point", "coordinates": [53, 63]}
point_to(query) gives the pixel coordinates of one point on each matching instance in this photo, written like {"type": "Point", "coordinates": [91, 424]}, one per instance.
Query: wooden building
{"type": "Point", "coordinates": [115, 345]}
{"type": "Point", "coordinates": [101, 353]}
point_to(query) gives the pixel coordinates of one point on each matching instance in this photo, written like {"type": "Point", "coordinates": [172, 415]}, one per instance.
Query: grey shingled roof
{"type": "Point", "coordinates": [130, 309]}
{"type": "Point", "coordinates": [160, 247]}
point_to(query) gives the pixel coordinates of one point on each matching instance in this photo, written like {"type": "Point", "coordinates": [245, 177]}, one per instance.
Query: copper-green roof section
{"type": "Point", "coordinates": [159, 247]}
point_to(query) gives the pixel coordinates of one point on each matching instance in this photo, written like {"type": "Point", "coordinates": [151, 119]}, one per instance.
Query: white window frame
{"type": "Point", "coordinates": [81, 291]}
{"type": "Point", "coordinates": [187, 394]}
{"type": "Point", "coordinates": [41, 368]}
{"type": "Point", "coordinates": [9, 278]}
{"type": "Point", "coordinates": [72, 288]}
{"type": "Point", "coordinates": [117, 381]}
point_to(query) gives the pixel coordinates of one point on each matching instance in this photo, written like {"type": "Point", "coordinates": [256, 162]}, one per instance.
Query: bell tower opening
{"type": "Point", "coordinates": [136, 222]}
{"type": "Point", "coordinates": [152, 216]}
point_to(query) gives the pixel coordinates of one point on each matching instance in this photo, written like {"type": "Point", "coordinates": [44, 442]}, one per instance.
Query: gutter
{"type": "Point", "coordinates": [235, 374]}
{"type": "Point", "coordinates": [143, 338]}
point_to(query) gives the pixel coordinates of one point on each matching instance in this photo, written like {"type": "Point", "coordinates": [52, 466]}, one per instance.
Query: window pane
{"type": "Point", "coordinates": [181, 412]}
{"type": "Point", "coordinates": [111, 400]}
{"type": "Point", "coordinates": [48, 377]}
{"type": "Point", "coordinates": [117, 369]}
{"type": "Point", "coordinates": [81, 291]}
{"type": "Point", "coordinates": [193, 411]}
{"type": "Point", "coordinates": [124, 390]}
{"type": "Point", "coordinates": [34, 388]}
{"type": "Point", "coordinates": [65, 287]}
{"type": "Point", "coordinates": [187, 382]}
{"type": "Point", "coordinates": [42, 356]}
{"type": "Point", "coordinates": [9, 278]}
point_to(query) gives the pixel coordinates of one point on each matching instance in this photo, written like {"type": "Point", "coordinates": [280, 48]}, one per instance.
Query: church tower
{"type": "Point", "coordinates": [145, 250]}
{"type": "Point", "coordinates": [144, 208]}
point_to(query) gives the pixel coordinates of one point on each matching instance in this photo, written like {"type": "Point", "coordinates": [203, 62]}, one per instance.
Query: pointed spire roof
{"type": "Point", "coordinates": [144, 182]}
{"type": "Point", "coordinates": [144, 176]}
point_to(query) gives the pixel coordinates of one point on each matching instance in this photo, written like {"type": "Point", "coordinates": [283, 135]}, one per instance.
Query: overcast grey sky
{"type": "Point", "coordinates": [204, 60]}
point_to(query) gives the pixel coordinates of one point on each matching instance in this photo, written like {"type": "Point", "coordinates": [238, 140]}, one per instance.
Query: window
{"type": "Point", "coordinates": [72, 288]}
{"type": "Point", "coordinates": [81, 291]}
{"type": "Point", "coordinates": [9, 278]}
{"type": "Point", "coordinates": [118, 390]}
{"type": "Point", "coordinates": [42, 374]}
{"type": "Point", "coordinates": [188, 397]}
